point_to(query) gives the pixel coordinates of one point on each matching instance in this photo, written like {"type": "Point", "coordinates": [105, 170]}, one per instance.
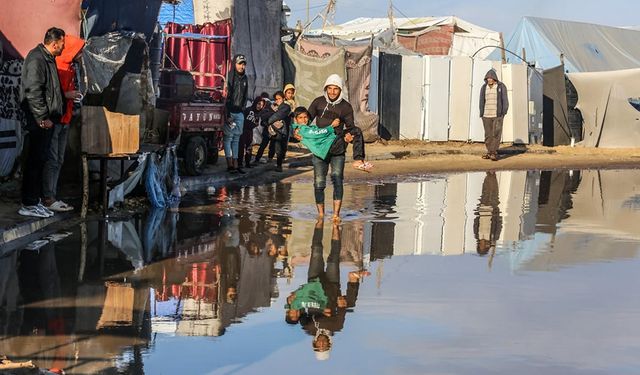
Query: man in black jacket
{"type": "Point", "coordinates": [237, 89]}
{"type": "Point", "coordinates": [42, 100]}
{"type": "Point", "coordinates": [332, 110]}
{"type": "Point", "coordinates": [494, 104]}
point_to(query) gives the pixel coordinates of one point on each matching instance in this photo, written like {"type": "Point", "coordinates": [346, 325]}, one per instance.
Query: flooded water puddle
{"type": "Point", "coordinates": [475, 273]}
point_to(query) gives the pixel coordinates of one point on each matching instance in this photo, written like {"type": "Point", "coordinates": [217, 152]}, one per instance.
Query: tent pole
{"type": "Point", "coordinates": [503, 52]}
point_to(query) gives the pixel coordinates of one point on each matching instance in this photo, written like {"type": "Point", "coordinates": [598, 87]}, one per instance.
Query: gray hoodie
{"type": "Point", "coordinates": [503, 98]}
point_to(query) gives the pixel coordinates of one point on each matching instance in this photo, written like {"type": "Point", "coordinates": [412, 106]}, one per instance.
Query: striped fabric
{"type": "Point", "coordinates": [491, 102]}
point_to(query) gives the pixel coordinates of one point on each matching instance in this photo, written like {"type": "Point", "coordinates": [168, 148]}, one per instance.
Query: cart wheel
{"type": "Point", "coordinates": [195, 156]}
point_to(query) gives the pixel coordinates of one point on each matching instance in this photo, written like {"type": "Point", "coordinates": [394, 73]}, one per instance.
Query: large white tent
{"type": "Point", "coordinates": [586, 47]}
{"type": "Point", "coordinates": [468, 39]}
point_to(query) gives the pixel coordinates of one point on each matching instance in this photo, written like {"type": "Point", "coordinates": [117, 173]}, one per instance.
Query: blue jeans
{"type": "Point", "coordinates": [320, 169]}
{"type": "Point", "coordinates": [232, 136]}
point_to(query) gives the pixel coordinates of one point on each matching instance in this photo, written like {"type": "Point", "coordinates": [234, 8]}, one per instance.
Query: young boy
{"type": "Point", "coordinates": [319, 140]}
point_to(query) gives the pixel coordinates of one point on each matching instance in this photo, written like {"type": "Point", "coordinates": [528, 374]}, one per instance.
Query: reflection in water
{"type": "Point", "coordinates": [116, 297]}
{"type": "Point", "coordinates": [488, 221]}
{"type": "Point", "coordinates": [319, 305]}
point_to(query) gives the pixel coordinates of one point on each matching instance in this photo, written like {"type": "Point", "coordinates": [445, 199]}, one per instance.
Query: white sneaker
{"type": "Point", "coordinates": [33, 211]}
{"type": "Point", "coordinates": [45, 210]}
{"type": "Point", "coordinates": [60, 206]}
{"type": "Point", "coordinates": [263, 161]}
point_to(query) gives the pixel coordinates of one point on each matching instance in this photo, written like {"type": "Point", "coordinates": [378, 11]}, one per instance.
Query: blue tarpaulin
{"type": "Point", "coordinates": [182, 13]}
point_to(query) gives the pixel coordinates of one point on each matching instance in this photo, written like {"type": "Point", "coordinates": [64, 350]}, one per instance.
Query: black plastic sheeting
{"type": "Point", "coordinates": [104, 16]}
{"type": "Point", "coordinates": [389, 95]}
{"type": "Point", "coordinates": [116, 74]}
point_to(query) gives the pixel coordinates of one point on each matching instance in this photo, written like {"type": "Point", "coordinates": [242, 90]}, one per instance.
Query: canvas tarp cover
{"type": "Point", "coordinates": [116, 73]}
{"type": "Point", "coordinates": [104, 16]}
{"type": "Point", "coordinates": [555, 121]}
{"type": "Point", "coordinates": [610, 106]}
{"type": "Point", "coordinates": [23, 23]}
{"type": "Point", "coordinates": [257, 35]}
{"type": "Point", "coordinates": [310, 73]}
{"type": "Point", "coordinates": [586, 47]}
{"type": "Point", "coordinates": [467, 38]}
{"type": "Point", "coordinates": [180, 13]}
{"type": "Point", "coordinates": [11, 116]}
{"type": "Point", "coordinates": [211, 10]}
{"type": "Point", "coordinates": [196, 12]}
{"type": "Point", "coordinates": [358, 68]}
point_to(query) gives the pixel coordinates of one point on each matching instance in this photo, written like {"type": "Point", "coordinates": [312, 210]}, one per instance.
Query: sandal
{"type": "Point", "coordinates": [486, 156]}
{"type": "Point", "coordinates": [365, 167]}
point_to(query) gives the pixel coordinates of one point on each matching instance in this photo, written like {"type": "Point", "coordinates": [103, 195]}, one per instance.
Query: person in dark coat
{"type": "Point", "coordinates": [237, 90]}
{"type": "Point", "coordinates": [43, 102]}
{"type": "Point", "coordinates": [265, 114]}
{"type": "Point", "coordinates": [252, 120]}
{"type": "Point", "coordinates": [494, 104]}
{"type": "Point", "coordinates": [278, 127]}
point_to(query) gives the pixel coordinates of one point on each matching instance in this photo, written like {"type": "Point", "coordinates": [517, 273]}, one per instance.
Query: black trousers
{"type": "Point", "coordinates": [280, 149]}
{"type": "Point", "coordinates": [37, 151]}
{"type": "Point", "coordinates": [244, 148]}
{"type": "Point", "coordinates": [358, 143]}
{"type": "Point", "coordinates": [266, 141]}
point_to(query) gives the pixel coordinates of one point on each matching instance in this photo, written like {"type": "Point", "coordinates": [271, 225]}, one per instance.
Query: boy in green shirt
{"type": "Point", "coordinates": [319, 140]}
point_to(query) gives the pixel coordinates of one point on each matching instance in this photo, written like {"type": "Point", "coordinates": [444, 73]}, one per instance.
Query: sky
{"type": "Point", "coordinates": [498, 15]}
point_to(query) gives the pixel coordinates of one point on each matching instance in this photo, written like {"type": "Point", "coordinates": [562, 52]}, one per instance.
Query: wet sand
{"type": "Point", "coordinates": [537, 158]}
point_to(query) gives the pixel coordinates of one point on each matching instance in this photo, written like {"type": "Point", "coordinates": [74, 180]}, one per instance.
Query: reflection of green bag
{"type": "Point", "coordinates": [309, 296]}
{"type": "Point", "coordinates": [317, 140]}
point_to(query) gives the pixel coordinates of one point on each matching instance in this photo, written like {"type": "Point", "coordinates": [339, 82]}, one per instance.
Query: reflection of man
{"type": "Point", "coordinates": [488, 223]}
{"type": "Point", "coordinates": [319, 305]}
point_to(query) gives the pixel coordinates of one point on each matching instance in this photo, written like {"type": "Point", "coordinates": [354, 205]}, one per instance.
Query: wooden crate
{"type": "Point", "coordinates": [109, 133]}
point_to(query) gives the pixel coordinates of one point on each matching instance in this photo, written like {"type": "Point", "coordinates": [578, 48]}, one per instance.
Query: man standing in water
{"type": "Point", "coordinates": [494, 104]}
{"type": "Point", "coordinates": [331, 109]}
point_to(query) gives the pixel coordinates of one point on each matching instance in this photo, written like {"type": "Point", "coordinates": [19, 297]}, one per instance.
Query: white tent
{"type": "Point", "coordinates": [467, 37]}
{"type": "Point", "coordinates": [586, 47]}
{"type": "Point", "coordinates": [610, 106]}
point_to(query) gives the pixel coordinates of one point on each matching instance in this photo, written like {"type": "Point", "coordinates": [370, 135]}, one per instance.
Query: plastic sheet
{"type": "Point", "coordinates": [104, 16]}
{"type": "Point", "coordinates": [162, 180]}
{"type": "Point", "coordinates": [116, 73]}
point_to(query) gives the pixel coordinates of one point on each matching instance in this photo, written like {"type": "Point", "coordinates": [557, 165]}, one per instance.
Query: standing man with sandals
{"type": "Point", "coordinates": [494, 104]}
{"type": "Point", "coordinates": [333, 110]}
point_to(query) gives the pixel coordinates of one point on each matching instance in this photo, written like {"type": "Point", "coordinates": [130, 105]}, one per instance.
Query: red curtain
{"type": "Point", "coordinates": [200, 56]}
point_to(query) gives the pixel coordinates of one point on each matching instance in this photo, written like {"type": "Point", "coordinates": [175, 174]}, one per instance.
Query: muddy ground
{"type": "Point", "coordinates": [420, 157]}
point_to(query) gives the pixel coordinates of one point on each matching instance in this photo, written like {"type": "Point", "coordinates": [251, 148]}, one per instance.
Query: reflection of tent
{"type": "Point", "coordinates": [586, 47]}
{"type": "Point", "coordinates": [427, 35]}
{"type": "Point", "coordinates": [599, 215]}
{"type": "Point", "coordinates": [606, 101]}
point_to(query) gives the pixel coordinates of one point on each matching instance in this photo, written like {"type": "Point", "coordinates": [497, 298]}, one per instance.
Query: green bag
{"type": "Point", "coordinates": [317, 140]}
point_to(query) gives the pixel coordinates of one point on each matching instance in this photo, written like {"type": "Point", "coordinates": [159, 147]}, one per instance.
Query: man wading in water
{"type": "Point", "coordinates": [332, 110]}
